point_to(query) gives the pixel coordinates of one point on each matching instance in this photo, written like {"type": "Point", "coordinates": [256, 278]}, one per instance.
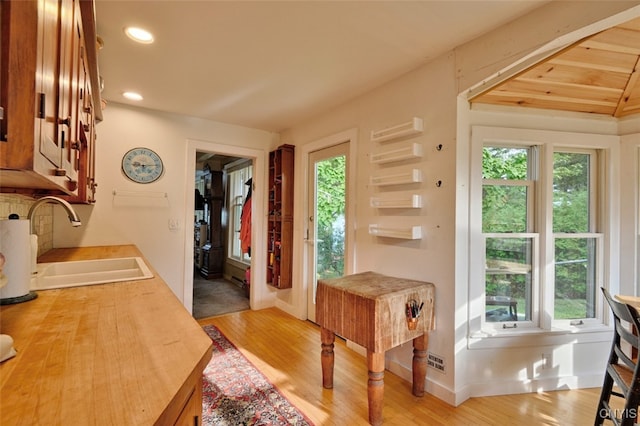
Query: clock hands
{"type": "Point", "coordinates": [139, 164]}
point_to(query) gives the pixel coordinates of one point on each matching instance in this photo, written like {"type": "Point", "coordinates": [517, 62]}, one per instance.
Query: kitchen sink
{"type": "Point", "coordinates": [89, 272]}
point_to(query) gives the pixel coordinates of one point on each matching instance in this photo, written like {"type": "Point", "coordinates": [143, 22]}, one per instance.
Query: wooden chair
{"type": "Point", "coordinates": [622, 370]}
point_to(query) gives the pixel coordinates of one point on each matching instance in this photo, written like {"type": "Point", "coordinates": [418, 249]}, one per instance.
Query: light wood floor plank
{"type": "Point", "coordinates": [287, 351]}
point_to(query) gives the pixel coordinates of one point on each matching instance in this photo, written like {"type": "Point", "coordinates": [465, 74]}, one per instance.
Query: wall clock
{"type": "Point", "coordinates": [142, 165]}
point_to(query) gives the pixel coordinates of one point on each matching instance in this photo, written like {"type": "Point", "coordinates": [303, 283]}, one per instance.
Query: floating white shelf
{"type": "Point", "coordinates": [397, 201]}
{"type": "Point", "coordinates": [410, 233]}
{"type": "Point", "coordinates": [406, 152]}
{"type": "Point", "coordinates": [397, 177]}
{"type": "Point", "coordinates": [409, 128]}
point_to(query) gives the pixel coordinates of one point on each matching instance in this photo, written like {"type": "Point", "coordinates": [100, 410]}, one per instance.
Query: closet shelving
{"type": "Point", "coordinates": [280, 217]}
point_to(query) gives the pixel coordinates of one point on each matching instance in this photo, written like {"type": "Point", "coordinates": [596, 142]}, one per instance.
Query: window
{"type": "Point", "coordinates": [508, 212]}
{"type": "Point", "coordinates": [238, 176]}
{"type": "Point", "coordinates": [539, 228]}
{"type": "Point", "coordinates": [576, 245]}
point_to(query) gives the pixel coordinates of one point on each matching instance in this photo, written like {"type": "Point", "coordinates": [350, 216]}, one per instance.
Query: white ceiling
{"type": "Point", "coordinates": [272, 64]}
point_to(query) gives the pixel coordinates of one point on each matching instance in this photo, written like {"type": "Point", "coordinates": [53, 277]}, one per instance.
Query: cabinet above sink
{"type": "Point", "coordinates": [49, 98]}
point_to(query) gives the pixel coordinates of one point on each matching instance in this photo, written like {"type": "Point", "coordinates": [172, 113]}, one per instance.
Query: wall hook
{"type": "Point", "coordinates": [439, 183]}
{"type": "Point", "coordinates": [439, 147]}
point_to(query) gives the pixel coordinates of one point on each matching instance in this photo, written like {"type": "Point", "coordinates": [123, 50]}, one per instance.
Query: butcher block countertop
{"type": "Point", "coordinates": [125, 353]}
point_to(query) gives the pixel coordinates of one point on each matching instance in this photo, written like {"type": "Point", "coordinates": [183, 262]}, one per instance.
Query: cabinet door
{"type": "Point", "coordinates": [40, 58]}
{"type": "Point", "coordinates": [68, 74]}
{"type": "Point", "coordinates": [4, 13]}
{"type": "Point", "coordinates": [192, 413]}
{"type": "Point", "coordinates": [46, 132]}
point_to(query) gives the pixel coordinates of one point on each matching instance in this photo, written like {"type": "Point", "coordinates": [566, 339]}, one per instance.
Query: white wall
{"type": "Point", "coordinates": [430, 93]}
{"type": "Point", "coordinates": [142, 219]}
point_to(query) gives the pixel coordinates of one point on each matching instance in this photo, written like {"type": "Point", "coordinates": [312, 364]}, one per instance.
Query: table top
{"type": "Point", "coordinates": [373, 285]}
{"type": "Point", "coordinates": [631, 300]}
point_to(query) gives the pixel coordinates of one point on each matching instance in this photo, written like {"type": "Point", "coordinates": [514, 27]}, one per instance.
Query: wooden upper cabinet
{"type": "Point", "coordinates": [45, 81]}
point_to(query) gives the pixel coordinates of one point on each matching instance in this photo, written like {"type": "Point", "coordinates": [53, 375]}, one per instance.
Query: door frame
{"type": "Point", "coordinates": [350, 136]}
{"type": "Point", "coordinates": [258, 296]}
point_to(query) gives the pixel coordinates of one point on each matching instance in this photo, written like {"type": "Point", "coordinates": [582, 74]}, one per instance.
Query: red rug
{"type": "Point", "coordinates": [236, 393]}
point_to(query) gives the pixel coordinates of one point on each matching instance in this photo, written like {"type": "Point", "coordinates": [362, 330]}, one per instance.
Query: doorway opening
{"type": "Point", "coordinates": [221, 240]}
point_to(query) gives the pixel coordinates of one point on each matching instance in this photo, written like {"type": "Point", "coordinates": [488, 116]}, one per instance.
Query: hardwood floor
{"type": "Point", "coordinates": [287, 351]}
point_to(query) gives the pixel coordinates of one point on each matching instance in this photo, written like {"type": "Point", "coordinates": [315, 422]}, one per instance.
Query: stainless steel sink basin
{"type": "Point", "coordinates": [89, 272]}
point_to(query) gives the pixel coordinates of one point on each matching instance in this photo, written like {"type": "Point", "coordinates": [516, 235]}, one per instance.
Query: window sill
{"type": "Point", "coordinates": [512, 338]}
{"type": "Point", "coordinates": [237, 263]}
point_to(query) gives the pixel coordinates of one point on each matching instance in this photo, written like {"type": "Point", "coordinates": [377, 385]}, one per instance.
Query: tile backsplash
{"type": "Point", "coordinates": [42, 220]}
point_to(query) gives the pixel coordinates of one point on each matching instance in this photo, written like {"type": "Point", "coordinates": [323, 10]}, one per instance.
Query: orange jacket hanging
{"type": "Point", "coordinates": [245, 227]}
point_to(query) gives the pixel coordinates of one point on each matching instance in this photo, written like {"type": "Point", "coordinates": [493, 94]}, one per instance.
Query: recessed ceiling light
{"type": "Point", "coordinates": [132, 96]}
{"type": "Point", "coordinates": [139, 35]}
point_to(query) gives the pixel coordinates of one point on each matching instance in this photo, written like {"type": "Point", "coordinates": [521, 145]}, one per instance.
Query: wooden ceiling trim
{"type": "Point", "coordinates": [560, 73]}
{"type": "Point", "coordinates": [601, 60]}
{"type": "Point", "coordinates": [480, 94]}
{"type": "Point", "coordinates": [550, 102]}
{"type": "Point", "coordinates": [633, 24]}
{"type": "Point", "coordinates": [606, 95]}
{"type": "Point", "coordinates": [628, 91]}
{"type": "Point", "coordinates": [616, 40]}
{"type": "Point", "coordinates": [599, 74]}
{"type": "Point", "coordinates": [564, 98]}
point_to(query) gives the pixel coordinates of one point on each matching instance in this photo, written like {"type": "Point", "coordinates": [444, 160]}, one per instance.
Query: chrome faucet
{"type": "Point", "coordinates": [73, 216]}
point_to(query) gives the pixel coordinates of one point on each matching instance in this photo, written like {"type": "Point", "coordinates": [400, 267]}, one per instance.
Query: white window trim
{"type": "Point", "coordinates": [547, 140]}
{"type": "Point", "coordinates": [232, 233]}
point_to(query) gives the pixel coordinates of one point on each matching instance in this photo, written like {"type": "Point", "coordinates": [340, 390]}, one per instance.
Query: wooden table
{"type": "Point", "coordinates": [629, 300]}
{"type": "Point", "coordinates": [370, 309]}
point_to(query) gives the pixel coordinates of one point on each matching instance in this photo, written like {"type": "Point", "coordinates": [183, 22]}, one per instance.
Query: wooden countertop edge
{"type": "Point", "coordinates": [185, 392]}
{"type": "Point", "coordinates": [195, 347]}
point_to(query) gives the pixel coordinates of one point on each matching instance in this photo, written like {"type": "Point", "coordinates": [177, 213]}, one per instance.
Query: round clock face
{"type": "Point", "coordinates": [142, 165]}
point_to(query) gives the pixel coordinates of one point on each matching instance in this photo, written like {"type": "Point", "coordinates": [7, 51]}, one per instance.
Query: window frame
{"type": "Point", "coordinates": [546, 142]}
{"type": "Point", "coordinates": [233, 234]}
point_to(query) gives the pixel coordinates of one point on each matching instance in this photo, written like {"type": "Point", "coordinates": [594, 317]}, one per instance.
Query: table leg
{"type": "Point", "coordinates": [375, 386]}
{"type": "Point", "coordinates": [327, 357]}
{"type": "Point", "coordinates": [419, 366]}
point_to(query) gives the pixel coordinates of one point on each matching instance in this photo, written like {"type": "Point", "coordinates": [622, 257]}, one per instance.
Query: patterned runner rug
{"type": "Point", "coordinates": [236, 393]}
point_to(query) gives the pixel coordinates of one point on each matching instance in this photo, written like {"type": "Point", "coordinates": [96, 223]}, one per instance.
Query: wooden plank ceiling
{"type": "Point", "coordinates": [598, 74]}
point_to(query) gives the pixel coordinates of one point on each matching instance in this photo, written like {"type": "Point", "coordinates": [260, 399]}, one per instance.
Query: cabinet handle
{"type": "Point", "coordinates": [76, 145]}
{"type": "Point", "coordinates": [3, 126]}
{"type": "Point", "coordinates": [59, 172]}
{"type": "Point", "coordinates": [65, 121]}
{"type": "Point", "coordinates": [86, 127]}
{"type": "Point", "coordinates": [41, 105]}
{"type": "Point", "coordinates": [87, 110]}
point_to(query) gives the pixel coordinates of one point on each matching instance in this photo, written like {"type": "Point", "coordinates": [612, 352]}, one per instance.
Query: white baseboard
{"type": "Point", "coordinates": [493, 388]}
